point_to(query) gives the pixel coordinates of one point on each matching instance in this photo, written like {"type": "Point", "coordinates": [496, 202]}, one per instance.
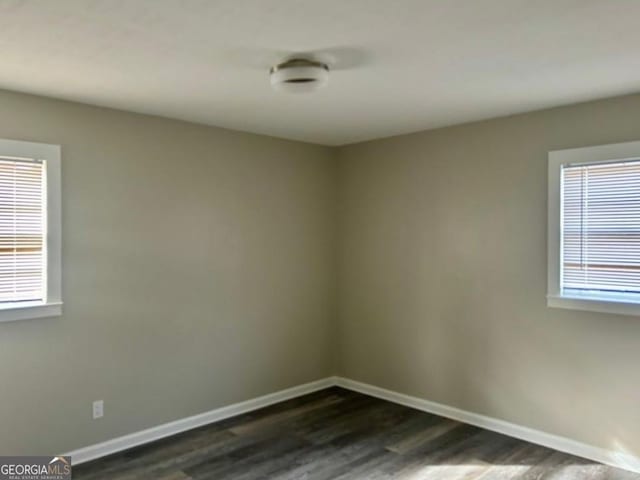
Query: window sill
{"type": "Point", "coordinates": [614, 304]}
{"type": "Point", "coordinates": [10, 312]}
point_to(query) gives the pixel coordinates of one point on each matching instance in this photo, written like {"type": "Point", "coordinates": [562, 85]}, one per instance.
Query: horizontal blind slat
{"type": "Point", "coordinates": [601, 227]}
{"type": "Point", "coordinates": [22, 230]}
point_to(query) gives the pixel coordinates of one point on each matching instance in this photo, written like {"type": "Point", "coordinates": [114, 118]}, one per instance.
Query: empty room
{"type": "Point", "coordinates": [319, 240]}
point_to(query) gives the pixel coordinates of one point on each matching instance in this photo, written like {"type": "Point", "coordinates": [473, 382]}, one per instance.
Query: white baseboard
{"type": "Point", "coordinates": [135, 439]}
{"type": "Point", "coordinates": [609, 457]}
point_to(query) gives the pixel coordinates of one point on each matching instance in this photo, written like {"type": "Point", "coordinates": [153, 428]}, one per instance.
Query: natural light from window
{"type": "Point", "coordinates": [30, 230]}
{"type": "Point", "coordinates": [22, 230]}
{"type": "Point", "coordinates": [601, 229]}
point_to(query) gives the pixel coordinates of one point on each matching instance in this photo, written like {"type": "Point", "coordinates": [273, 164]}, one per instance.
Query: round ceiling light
{"type": "Point", "coordinates": [299, 75]}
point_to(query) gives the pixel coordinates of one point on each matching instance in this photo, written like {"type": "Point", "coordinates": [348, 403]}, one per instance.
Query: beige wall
{"type": "Point", "coordinates": [443, 277]}
{"type": "Point", "coordinates": [199, 271]}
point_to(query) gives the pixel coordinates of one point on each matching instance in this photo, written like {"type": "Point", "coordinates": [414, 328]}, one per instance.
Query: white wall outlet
{"type": "Point", "coordinates": [98, 409]}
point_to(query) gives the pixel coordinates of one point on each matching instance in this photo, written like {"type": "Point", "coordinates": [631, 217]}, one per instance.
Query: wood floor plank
{"type": "Point", "coordinates": [337, 434]}
{"type": "Point", "coordinates": [276, 418]}
{"type": "Point", "coordinates": [414, 441]}
{"type": "Point", "coordinates": [177, 475]}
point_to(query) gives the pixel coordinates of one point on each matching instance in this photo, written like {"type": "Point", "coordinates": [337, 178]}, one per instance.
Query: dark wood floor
{"type": "Point", "coordinates": [340, 435]}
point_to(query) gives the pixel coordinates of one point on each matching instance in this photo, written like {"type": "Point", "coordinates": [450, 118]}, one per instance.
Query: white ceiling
{"type": "Point", "coordinates": [398, 65]}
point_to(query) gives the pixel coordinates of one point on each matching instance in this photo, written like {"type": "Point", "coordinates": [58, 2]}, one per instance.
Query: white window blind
{"type": "Point", "coordinates": [601, 228]}
{"type": "Point", "coordinates": [22, 230]}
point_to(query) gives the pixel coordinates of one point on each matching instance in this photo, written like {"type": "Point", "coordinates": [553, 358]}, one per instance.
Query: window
{"type": "Point", "coordinates": [594, 228]}
{"type": "Point", "coordinates": [29, 230]}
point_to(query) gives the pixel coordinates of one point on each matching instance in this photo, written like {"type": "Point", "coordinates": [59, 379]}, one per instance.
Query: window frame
{"type": "Point", "coordinates": [606, 303]}
{"type": "Point", "coordinates": [52, 305]}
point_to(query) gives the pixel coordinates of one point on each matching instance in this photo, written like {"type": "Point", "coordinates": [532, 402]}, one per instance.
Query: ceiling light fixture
{"type": "Point", "coordinates": [299, 75]}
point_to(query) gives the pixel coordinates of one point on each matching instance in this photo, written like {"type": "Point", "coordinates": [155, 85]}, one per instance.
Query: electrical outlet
{"type": "Point", "coordinates": [98, 409]}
